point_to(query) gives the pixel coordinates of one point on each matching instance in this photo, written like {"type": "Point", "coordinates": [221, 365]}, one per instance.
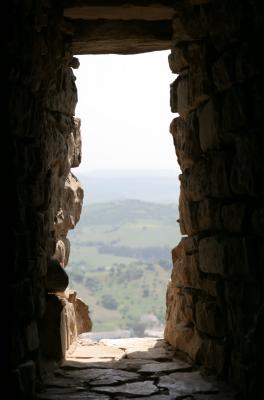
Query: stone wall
{"type": "Point", "coordinates": [215, 297]}
{"type": "Point", "coordinates": [45, 198]}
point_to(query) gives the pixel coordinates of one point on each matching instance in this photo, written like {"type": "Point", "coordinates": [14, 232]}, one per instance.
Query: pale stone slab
{"type": "Point", "coordinates": [96, 351]}
{"type": "Point", "coordinates": [129, 364]}
{"type": "Point", "coordinates": [144, 348]}
{"type": "Point", "coordinates": [218, 396]}
{"type": "Point", "coordinates": [154, 397]}
{"type": "Point", "coordinates": [72, 394]}
{"type": "Point", "coordinates": [100, 376]}
{"type": "Point", "coordinates": [180, 383]}
{"type": "Point", "coordinates": [83, 363]}
{"type": "Point", "coordinates": [155, 353]}
{"type": "Point", "coordinates": [133, 342]}
{"type": "Point", "coordinates": [165, 367]}
{"type": "Point", "coordinates": [136, 388]}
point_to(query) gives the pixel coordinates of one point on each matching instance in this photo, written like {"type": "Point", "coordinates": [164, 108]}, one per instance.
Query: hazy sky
{"type": "Point", "coordinates": [124, 108]}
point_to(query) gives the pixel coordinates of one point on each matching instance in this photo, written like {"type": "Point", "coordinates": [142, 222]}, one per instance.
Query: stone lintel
{"type": "Point", "coordinates": [120, 37]}
{"type": "Point", "coordinates": [119, 10]}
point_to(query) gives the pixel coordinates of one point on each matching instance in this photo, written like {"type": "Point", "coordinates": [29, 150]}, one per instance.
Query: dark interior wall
{"type": "Point", "coordinates": [42, 96]}
{"type": "Point", "coordinates": [215, 300]}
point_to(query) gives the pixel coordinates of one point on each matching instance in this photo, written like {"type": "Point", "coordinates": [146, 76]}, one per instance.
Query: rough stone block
{"type": "Point", "coordinates": [183, 55]}
{"type": "Point", "coordinates": [57, 279]}
{"type": "Point", "coordinates": [222, 23]}
{"type": "Point", "coordinates": [77, 144]}
{"type": "Point", "coordinates": [209, 126]}
{"type": "Point", "coordinates": [208, 215]}
{"type": "Point", "coordinates": [83, 321]}
{"type": "Point", "coordinates": [186, 140]}
{"type": "Point", "coordinates": [50, 329]}
{"type": "Point", "coordinates": [246, 171]}
{"type": "Point", "coordinates": [190, 90]}
{"type": "Point", "coordinates": [213, 355]}
{"type": "Point", "coordinates": [223, 71]}
{"type": "Point", "coordinates": [209, 319]}
{"type": "Point", "coordinates": [195, 183]}
{"type": "Point", "coordinates": [188, 218]}
{"type": "Point", "coordinates": [226, 256]}
{"type": "Point", "coordinates": [183, 337]}
{"type": "Point", "coordinates": [185, 272]}
{"type": "Point", "coordinates": [190, 245]}
{"type": "Point", "coordinates": [233, 217]}
{"type": "Point", "coordinates": [188, 26]}
{"type": "Point", "coordinates": [219, 176]}
{"type": "Point", "coordinates": [211, 255]}
{"type": "Point", "coordinates": [235, 100]}
{"type": "Point", "coordinates": [63, 94]}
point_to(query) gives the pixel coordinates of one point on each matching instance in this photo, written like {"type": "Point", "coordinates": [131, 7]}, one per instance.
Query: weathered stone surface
{"type": "Point", "coordinates": [71, 394]}
{"type": "Point", "coordinates": [120, 37]}
{"type": "Point", "coordinates": [98, 351]}
{"type": "Point", "coordinates": [186, 383]}
{"type": "Point", "coordinates": [227, 257]}
{"type": "Point", "coordinates": [208, 215]}
{"type": "Point", "coordinates": [72, 381]}
{"type": "Point", "coordinates": [231, 121]}
{"type": "Point", "coordinates": [209, 126]}
{"type": "Point", "coordinates": [159, 353]}
{"type": "Point", "coordinates": [195, 182]}
{"type": "Point", "coordinates": [190, 90]}
{"type": "Point", "coordinates": [219, 176]}
{"type": "Point", "coordinates": [96, 377]}
{"type": "Point", "coordinates": [209, 319]}
{"type": "Point", "coordinates": [233, 217]}
{"type": "Point", "coordinates": [83, 321]}
{"type": "Point", "coordinates": [224, 71]}
{"type": "Point", "coordinates": [136, 388]}
{"type": "Point", "coordinates": [57, 279]}
{"type": "Point", "coordinates": [42, 98]}
{"type": "Point", "coordinates": [186, 140]}
{"type": "Point", "coordinates": [183, 337]}
{"type": "Point", "coordinates": [246, 175]}
{"type": "Point", "coordinates": [123, 11]}
{"type": "Point", "coordinates": [188, 215]}
{"type": "Point", "coordinates": [50, 339]}
{"type": "Point", "coordinates": [214, 354]}
{"type": "Point", "coordinates": [187, 27]}
{"type": "Point", "coordinates": [215, 396]}
{"type": "Point", "coordinates": [183, 55]}
{"type": "Point", "coordinates": [211, 255]}
{"type": "Point", "coordinates": [69, 214]}
{"type": "Point", "coordinates": [75, 146]}
{"type": "Point", "coordinates": [165, 367]}
{"type": "Point", "coordinates": [154, 397]}
{"type": "Point", "coordinates": [63, 99]}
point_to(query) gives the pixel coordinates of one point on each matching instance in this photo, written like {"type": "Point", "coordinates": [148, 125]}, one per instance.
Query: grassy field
{"type": "Point", "coordinates": [120, 261]}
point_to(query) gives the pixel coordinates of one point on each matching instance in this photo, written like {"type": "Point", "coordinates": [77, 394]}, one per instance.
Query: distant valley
{"type": "Point", "coordinates": [161, 186]}
{"type": "Point", "coordinates": [120, 262]}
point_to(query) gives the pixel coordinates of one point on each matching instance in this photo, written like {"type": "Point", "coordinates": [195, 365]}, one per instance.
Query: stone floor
{"type": "Point", "coordinates": [133, 368]}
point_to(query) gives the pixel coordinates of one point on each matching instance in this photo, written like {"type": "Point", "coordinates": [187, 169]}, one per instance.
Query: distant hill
{"type": "Point", "coordinates": [161, 186]}
{"type": "Point", "coordinates": [120, 261]}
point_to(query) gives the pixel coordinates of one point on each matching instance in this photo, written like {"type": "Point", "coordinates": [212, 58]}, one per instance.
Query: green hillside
{"type": "Point", "coordinates": [120, 261]}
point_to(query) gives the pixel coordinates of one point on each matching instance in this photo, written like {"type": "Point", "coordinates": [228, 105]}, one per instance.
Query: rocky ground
{"type": "Point", "coordinates": [129, 368]}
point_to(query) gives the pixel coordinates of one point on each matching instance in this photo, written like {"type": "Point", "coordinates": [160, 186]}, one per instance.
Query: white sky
{"type": "Point", "coordinates": [125, 112]}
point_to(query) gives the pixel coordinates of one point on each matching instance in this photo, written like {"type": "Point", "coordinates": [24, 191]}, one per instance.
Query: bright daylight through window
{"type": "Point", "coordinates": [120, 259]}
